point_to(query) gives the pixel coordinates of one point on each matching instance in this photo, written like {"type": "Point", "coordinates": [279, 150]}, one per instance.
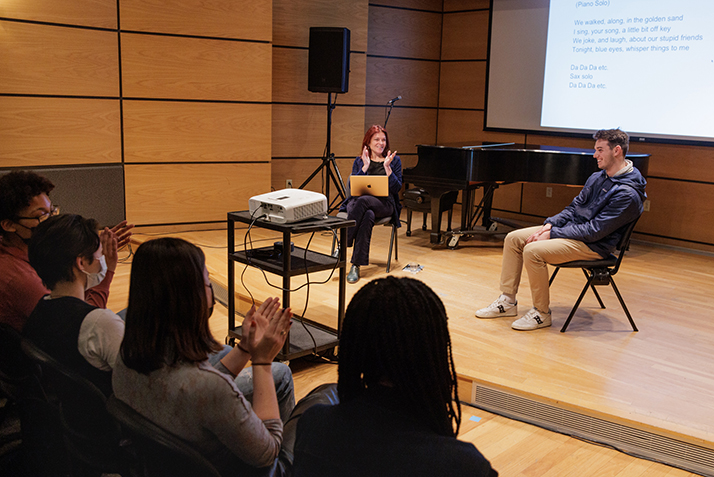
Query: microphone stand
{"type": "Point", "coordinates": [389, 113]}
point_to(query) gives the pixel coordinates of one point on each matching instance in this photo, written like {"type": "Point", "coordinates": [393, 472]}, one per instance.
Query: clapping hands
{"type": "Point", "coordinates": [365, 159]}
{"type": "Point", "coordinates": [122, 230]}
{"type": "Point", "coordinates": [388, 162]}
{"type": "Point", "coordinates": [265, 330]}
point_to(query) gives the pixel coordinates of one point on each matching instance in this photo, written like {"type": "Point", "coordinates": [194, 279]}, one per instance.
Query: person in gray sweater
{"type": "Point", "coordinates": [163, 372]}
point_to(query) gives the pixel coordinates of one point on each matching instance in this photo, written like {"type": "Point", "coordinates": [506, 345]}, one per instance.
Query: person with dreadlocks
{"type": "Point", "coordinates": [399, 411]}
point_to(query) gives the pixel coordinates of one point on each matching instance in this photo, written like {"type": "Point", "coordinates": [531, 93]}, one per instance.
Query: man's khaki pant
{"type": "Point", "coordinates": [535, 256]}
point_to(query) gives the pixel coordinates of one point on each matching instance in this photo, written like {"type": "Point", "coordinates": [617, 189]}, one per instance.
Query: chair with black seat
{"type": "Point", "coordinates": [599, 273]}
{"type": "Point", "coordinates": [154, 451]}
{"type": "Point", "coordinates": [42, 449]}
{"type": "Point", "coordinates": [392, 243]}
{"type": "Point", "coordinates": [90, 434]}
{"type": "Point", "coordinates": [15, 370]}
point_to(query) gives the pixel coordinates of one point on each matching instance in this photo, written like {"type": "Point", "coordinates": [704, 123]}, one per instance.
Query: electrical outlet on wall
{"type": "Point", "coordinates": [549, 192]}
{"type": "Point", "coordinates": [288, 183]}
{"type": "Point", "coordinates": [646, 205]}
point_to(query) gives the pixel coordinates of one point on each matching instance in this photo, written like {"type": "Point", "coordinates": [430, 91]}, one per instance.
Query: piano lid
{"type": "Point", "coordinates": [531, 148]}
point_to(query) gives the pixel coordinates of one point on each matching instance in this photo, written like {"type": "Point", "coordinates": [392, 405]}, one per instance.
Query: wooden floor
{"type": "Point", "coordinates": [660, 379]}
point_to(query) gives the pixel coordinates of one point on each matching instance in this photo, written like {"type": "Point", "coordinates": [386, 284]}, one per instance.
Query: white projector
{"type": "Point", "coordinates": [288, 205]}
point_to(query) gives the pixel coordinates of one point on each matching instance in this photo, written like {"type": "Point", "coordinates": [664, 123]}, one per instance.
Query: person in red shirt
{"type": "Point", "coordinates": [24, 204]}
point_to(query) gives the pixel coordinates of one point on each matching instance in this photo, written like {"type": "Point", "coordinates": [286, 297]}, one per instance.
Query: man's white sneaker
{"type": "Point", "coordinates": [532, 320]}
{"type": "Point", "coordinates": [500, 307]}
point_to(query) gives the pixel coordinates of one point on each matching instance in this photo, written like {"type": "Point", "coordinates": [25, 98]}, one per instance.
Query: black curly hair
{"type": "Point", "coordinates": [17, 190]}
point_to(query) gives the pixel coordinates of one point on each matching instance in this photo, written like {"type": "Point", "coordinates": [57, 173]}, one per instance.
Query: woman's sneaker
{"type": "Point", "coordinates": [532, 320]}
{"type": "Point", "coordinates": [500, 307]}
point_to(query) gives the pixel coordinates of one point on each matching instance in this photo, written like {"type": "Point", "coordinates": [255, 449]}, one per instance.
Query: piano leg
{"type": "Point", "coordinates": [487, 204]}
{"type": "Point", "coordinates": [435, 236]}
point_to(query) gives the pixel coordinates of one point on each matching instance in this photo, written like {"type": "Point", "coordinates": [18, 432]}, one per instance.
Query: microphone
{"type": "Point", "coordinates": [394, 100]}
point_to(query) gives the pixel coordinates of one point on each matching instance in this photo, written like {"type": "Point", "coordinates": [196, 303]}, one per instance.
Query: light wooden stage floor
{"type": "Point", "coordinates": [660, 379]}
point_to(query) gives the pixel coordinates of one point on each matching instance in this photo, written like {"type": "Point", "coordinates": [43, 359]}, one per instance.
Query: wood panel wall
{"type": "Point", "coordinates": [403, 60]}
{"type": "Point", "coordinates": [395, 49]}
{"type": "Point", "coordinates": [681, 178]}
{"type": "Point", "coordinates": [299, 117]}
{"type": "Point", "coordinates": [178, 92]}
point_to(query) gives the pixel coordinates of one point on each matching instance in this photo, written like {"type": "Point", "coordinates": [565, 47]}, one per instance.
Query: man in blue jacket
{"type": "Point", "coordinates": [588, 229]}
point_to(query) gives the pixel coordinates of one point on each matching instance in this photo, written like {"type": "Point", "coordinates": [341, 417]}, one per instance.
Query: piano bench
{"type": "Point", "coordinates": [419, 200]}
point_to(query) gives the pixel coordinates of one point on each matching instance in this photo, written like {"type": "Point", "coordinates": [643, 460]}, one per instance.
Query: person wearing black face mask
{"type": "Point", "coordinates": [24, 204]}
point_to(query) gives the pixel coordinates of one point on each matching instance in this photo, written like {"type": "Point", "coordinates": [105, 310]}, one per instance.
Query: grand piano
{"type": "Point", "coordinates": [442, 169]}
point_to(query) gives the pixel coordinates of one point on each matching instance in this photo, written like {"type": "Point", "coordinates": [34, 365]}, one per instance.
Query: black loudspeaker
{"type": "Point", "coordinates": [329, 60]}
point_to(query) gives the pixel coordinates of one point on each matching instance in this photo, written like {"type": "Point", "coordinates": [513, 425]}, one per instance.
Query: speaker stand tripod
{"type": "Point", "coordinates": [329, 165]}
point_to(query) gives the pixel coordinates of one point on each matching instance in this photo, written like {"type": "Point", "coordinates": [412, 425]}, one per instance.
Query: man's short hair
{"type": "Point", "coordinates": [17, 189]}
{"type": "Point", "coordinates": [614, 137]}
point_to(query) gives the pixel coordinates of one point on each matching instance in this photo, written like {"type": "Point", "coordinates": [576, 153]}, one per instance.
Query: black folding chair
{"type": "Point", "coordinates": [600, 272]}
{"type": "Point", "coordinates": [154, 451]}
{"type": "Point", "coordinates": [393, 242]}
{"type": "Point", "coordinates": [90, 434]}
{"type": "Point", "coordinates": [42, 450]}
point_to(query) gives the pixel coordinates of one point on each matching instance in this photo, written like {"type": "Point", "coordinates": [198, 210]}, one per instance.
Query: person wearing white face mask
{"type": "Point", "coordinates": [24, 204]}
{"type": "Point", "coordinates": [71, 257]}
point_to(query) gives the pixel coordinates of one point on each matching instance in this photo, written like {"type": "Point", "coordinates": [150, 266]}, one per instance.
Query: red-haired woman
{"type": "Point", "coordinates": [376, 159]}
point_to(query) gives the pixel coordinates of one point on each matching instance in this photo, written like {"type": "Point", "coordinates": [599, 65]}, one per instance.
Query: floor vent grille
{"type": "Point", "coordinates": [627, 439]}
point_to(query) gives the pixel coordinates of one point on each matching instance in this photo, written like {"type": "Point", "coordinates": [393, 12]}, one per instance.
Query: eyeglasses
{"type": "Point", "coordinates": [41, 218]}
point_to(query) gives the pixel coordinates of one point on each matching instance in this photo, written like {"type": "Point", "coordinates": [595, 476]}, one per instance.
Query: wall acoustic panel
{"type": "Point", "coordinates": [179, 193]}
{"type": "Point", "coordinates": [404, 33]}
{"type": "Point", "coordinates": [298, 170]}
{"type": "Point", "coordinates": [463, 85]}
{"type": "Point", "coordinates": [417, 82]}
{"type": "Point", "coordinates": [292, 21]}
{"type": "Point", "coordinates": [535, 201]}
{"type": "Point", "coordinates": [582, 143]}
{"type": "Point", "coordinates": [290, 78]}
{"type": "Point", "coordinates": [431, 5]}
{"type": "Point", "coordinates": [506, 197]}
{"type": "Point", "coordinates": [679, 210]}
{"type": "Point", "coordinates": [169, 131]}
{"type": "Point", "coordinates": [54, 131]}
{"type": "Point", "coordinates": [193, 68]}
{"type": "Point", "coordinates": [407, 127]}
{"type": "Point", "coordinates": [466, 127]}
{"type": "Point", "coordinates": [301, 131]}
{"type": "Point", "coordinates": [94, 13]}
{"type": "Point", "coordinates": [679, 161]}
{"type": "Point", "coordinates": [46, 59]}
{"type": "Point", "coordinates": [241, 19]}
{"type": "Point", "coordinates": [95, 191]}
{"type": "Point", "coordinates": [465, 36]}
{"type": "Point", "coordinates": [461, 5]}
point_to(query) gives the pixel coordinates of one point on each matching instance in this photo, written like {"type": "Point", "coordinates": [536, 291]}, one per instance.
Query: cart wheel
{"type": "Point", "coordinates": [331, 354]}
{"type": "Point", "coordinates": [409, 233]}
